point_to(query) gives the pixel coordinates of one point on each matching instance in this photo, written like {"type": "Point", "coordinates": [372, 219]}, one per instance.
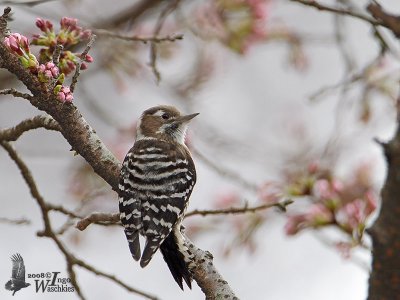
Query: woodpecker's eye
{"type": "Point", "coordinates": [165, 116]}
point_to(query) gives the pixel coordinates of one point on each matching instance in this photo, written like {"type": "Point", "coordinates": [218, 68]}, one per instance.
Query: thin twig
{"type": "Point", "coordinates": [128, 15]}
{"type": "Point", "coordinates": [79, 64]}
{"type": "Point", "coordinates": [21, 221]}
{"type": "Point", "coordinates": [340, 11]}
{"type": "Point", "coordinates": [57, 53]}
{"type": "Point", "coordinates": [15, 93]}
{"type": "Point", "coordinates": [136, 38]}
{"type": "Point", "coordinates": [343, 45]}
{"type": "Point", "coordinates": [225, 172]}
{"type": "Point", "coordinates": [153, 46]}
{"type": "Point", "coordinates": [95, 218]}
{"type": "Point", "coordinates": [41, 121]}
{"type": "Point", "coordinates": [3, 20]}
{"type": "Point", "coordinates": [113, 278]}
{"type": "Point", "coordinates": [25, 3]}
{"type": "Point", "coordinates": [240, 210]}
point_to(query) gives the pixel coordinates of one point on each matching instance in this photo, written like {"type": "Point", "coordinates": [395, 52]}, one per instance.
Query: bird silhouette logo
{"type": "Point", "coordinates": [17, 280]}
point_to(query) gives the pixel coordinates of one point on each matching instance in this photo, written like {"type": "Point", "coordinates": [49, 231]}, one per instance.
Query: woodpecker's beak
{"type": "Point", "coordinates": [185, 119]}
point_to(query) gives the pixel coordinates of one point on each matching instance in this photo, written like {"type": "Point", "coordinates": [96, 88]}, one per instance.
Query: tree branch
{"type": "Point", "coordinates": [14, 92]}
{"type": "Point", "coordinates": [128, 15]}
{"type": "Point", "coordinates": [49, 232]}
{"type": "Point", "coordinates": [211, 282]}
{"type": "Point", "coordinates": [26, 174]}
{"type": "Point", "coordinates": [21, 221]}
{"type": "Point", "coordinates": [41, 121]}
{"type": "Point", "coordinates": [78, 65]}
{"type": "Point", "coordinates": [75, 129]}
{"type": "Point", "coordinates": [240, 210]}
{"type": "Point", "coordinates": [135, 38]}
{"type": "Point", "coordinates": [213, 285]}
{"type": "Point", "coordinates": [225, 172]}
{"type": "Point", "coordinates": [85, 141]}
{"type": "Point", "coordinates": [384, 281]}
{"type": "Point", "coordinates": [340, 11]}
{"type": "Point", "coordinates": [97, 218]}
{"type": "Point", "coordinates": [389, 21]}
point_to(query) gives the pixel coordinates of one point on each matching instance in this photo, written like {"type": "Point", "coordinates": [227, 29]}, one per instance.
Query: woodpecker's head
{"type": "Point", "coordinates": [163, 122]}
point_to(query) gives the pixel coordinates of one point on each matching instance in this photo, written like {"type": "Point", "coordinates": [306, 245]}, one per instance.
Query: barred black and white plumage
{"type": "Point", "coordinates": [156, 181]}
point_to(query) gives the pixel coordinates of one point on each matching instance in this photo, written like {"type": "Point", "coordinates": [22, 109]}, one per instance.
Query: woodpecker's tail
{"type": "Point", "coordinates": [133, 241]}
{"type": "Point", "coordinates": [174, 258]}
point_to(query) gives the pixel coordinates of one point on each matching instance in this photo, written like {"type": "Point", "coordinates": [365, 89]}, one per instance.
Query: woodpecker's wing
{"type": "Point", "coordinates": [18, 267]}
{"type": "Point", "coordinates": [166, 198]}
{"type": "Point", "coordinates": [129, 204]}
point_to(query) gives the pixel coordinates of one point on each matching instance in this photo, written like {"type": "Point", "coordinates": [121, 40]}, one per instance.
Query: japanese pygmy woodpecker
{"type": "Point", "coordinates": [155, 183]}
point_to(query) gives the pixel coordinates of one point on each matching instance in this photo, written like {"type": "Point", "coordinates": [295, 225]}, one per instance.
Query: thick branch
{"type": "Point", "coordinates": [384, 281]}
{"type": "Point", "coordinates": [388, 20]}
{"type": "Point", "coordinates": [82, 138]}
{"type": "Point", "coordinates": [213, 285]}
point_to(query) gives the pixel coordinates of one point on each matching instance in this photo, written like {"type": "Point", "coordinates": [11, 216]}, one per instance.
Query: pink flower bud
{"type": "Point", "coordinates": [69, 98]}
{"type": "Point", "coordinates": [259, 9]}
{"type": "Point", "coordinates": [61, 96]}
{"type": "Point", "coordinates": [17, 43]}
{"type": "Point", "coordinates": [319, 214]}
{"type": "Point", "coordinates": [41, 68]}
{"type": "Point", "coordinates": [71, 65]}
{"type": "Point", "coordinates": [354, 213]}
{"type": "Point", "coordinates": [48, 74]}
{"type": "Point", "coordinates": [13, 44]}
{"type": "Point", "coordinates": [337, 185]}
{"type": "Point", "coordinates": [55, 72]}
{"type": "Point", "coordinates": [50, 65]}
{"type": "Point", "coordinates": [294, 224]}
{"type": "Point", "coordinates": [68, 23]}
{"type": "Point", "coordinates": [322, 189]}
{"type": "Point", "coordinates": [86, 34]}
{"type": "Point", "coordinates": [7, 42]}
{"type": "Point", "coordinates": [313, 167]}
{"type": "Point", "coordinates": [371, 202]}
{"type": "Point", "coordinates": [65, 89]}
{"type": "Point", "coordinates": [88, 58]}
{"type": "Point", "coordinates": [49, 25]}
{"type": "Point", "coordinates": [41, 24]}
